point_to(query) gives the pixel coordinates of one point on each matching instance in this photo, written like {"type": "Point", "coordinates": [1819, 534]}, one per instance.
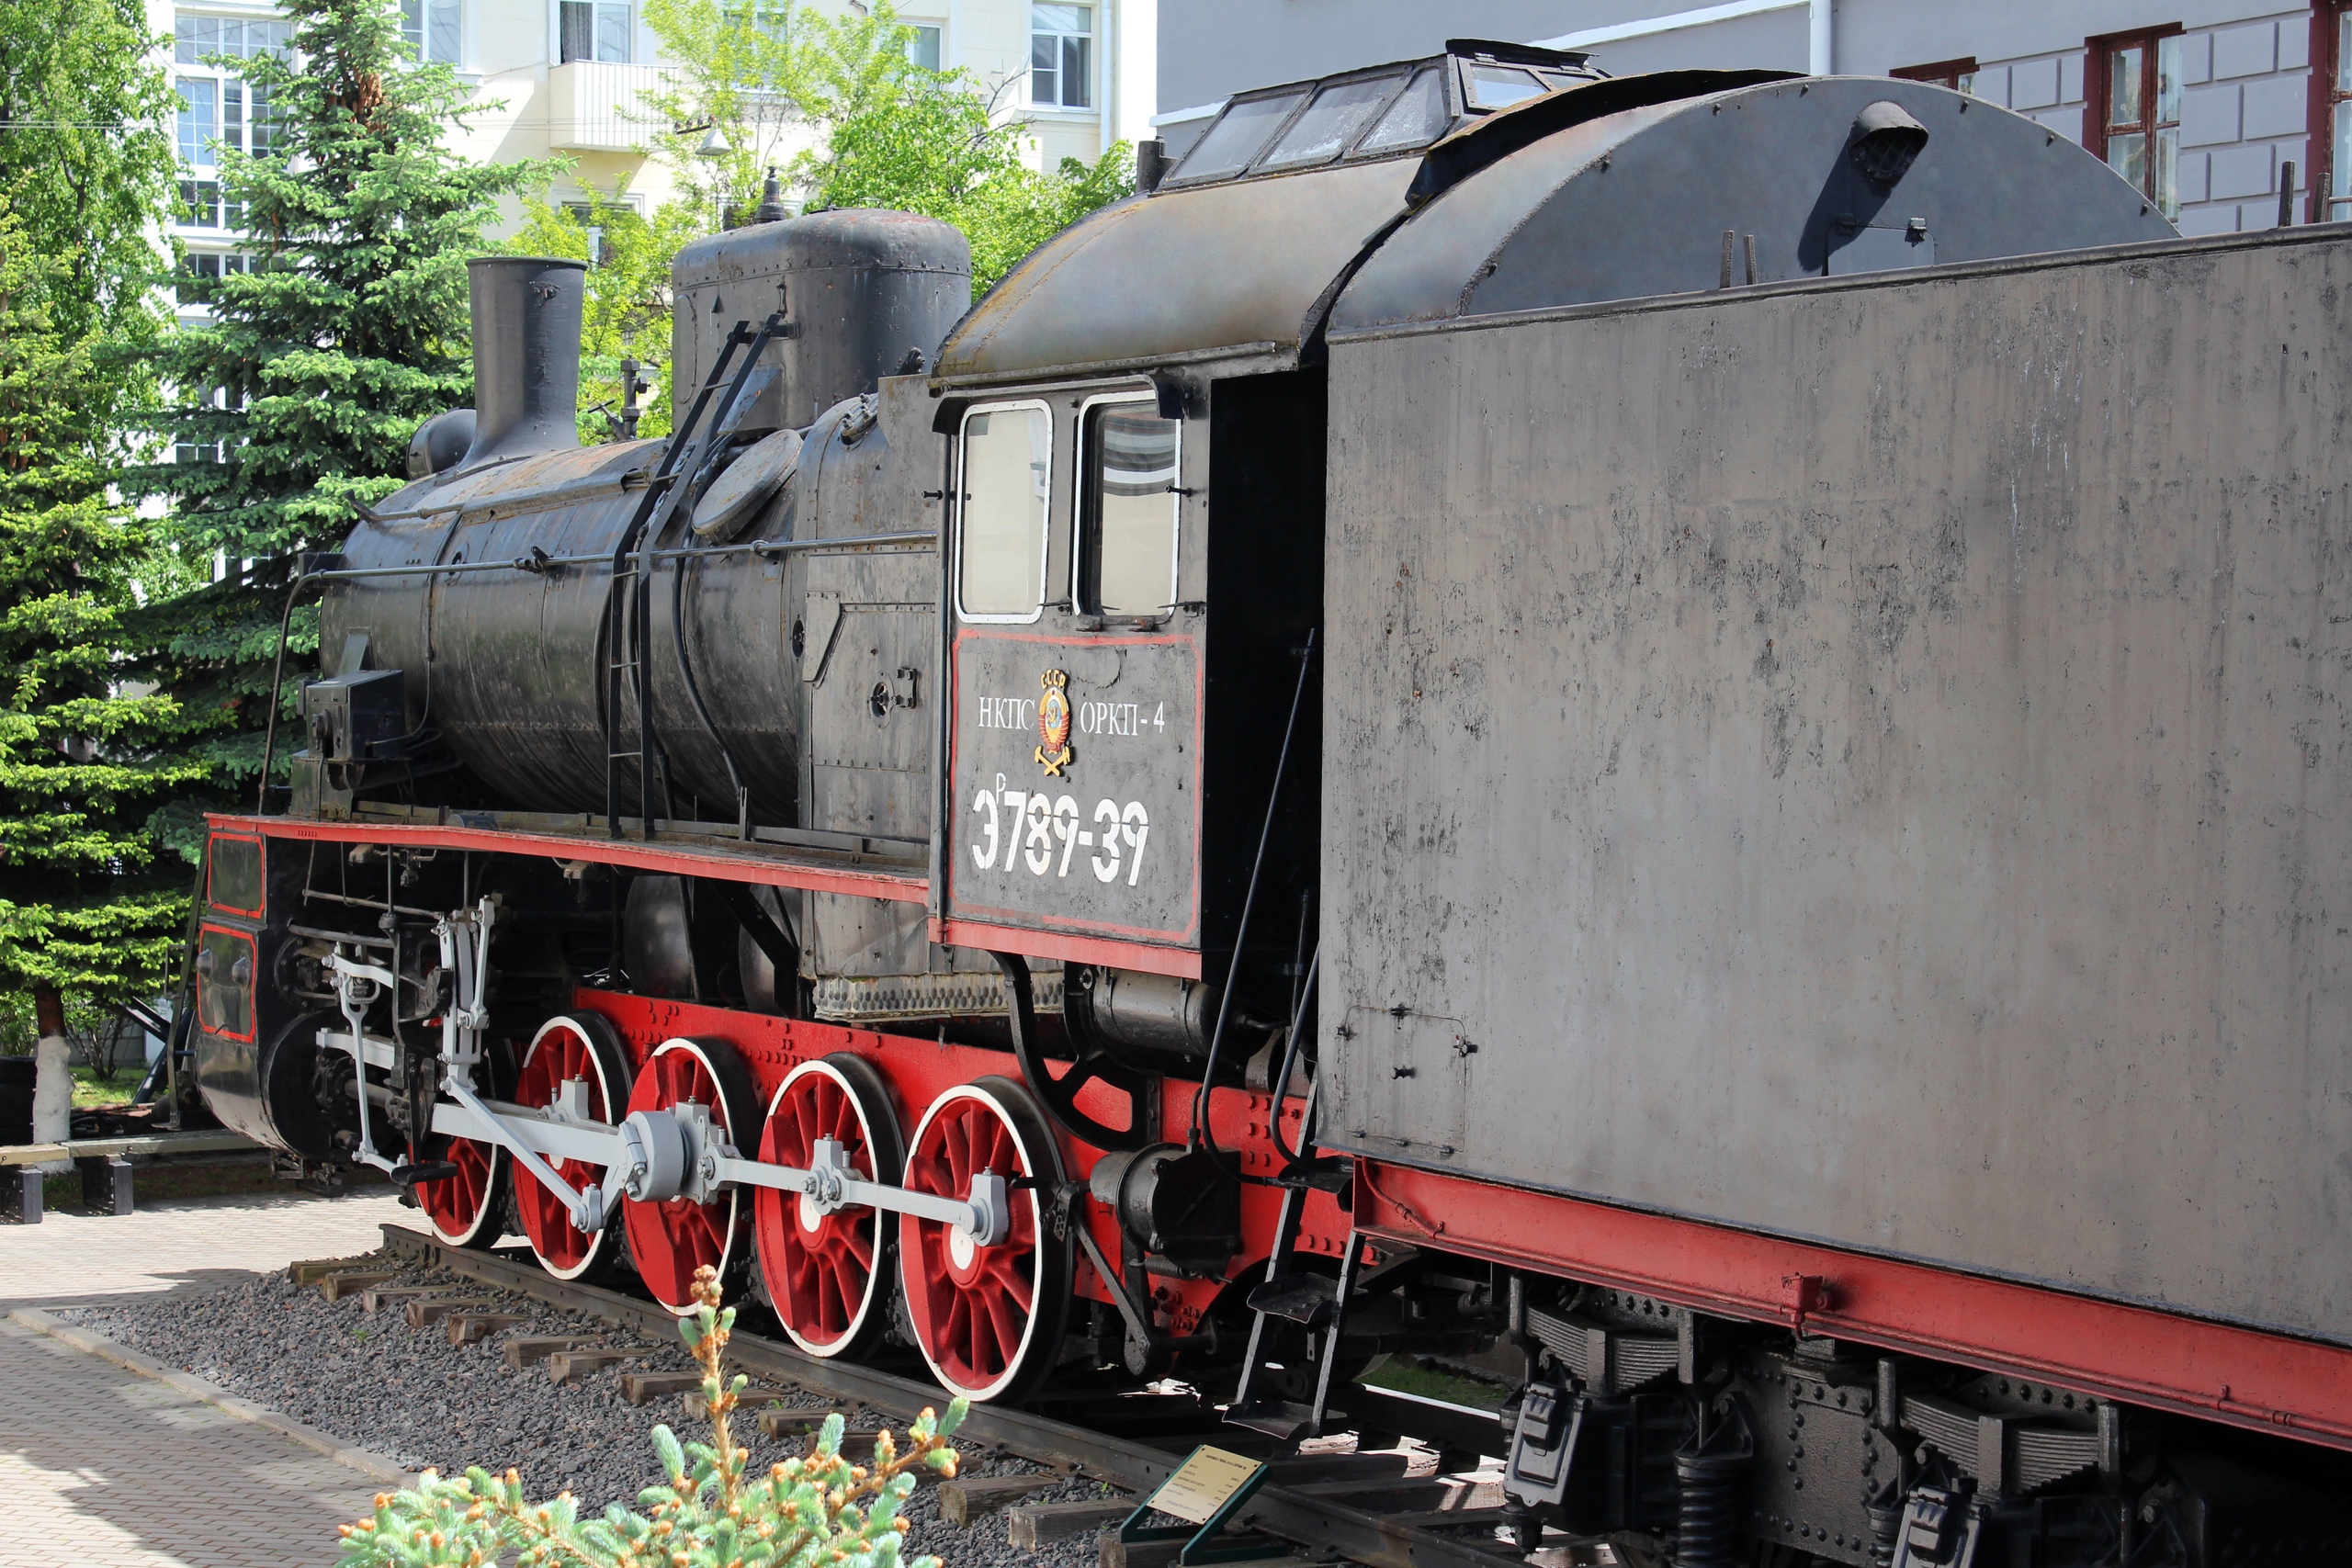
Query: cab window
{"type": "Point", "coordinates": [234, 876]}
{"type": "Point", "coordinates": [1007, 466]}
{"type": "Point", "coordinates": [1128, 510]}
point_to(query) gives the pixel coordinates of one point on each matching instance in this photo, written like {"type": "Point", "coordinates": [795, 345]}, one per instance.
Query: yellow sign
{"type": "Point", "coordinates": [1203, 1484]}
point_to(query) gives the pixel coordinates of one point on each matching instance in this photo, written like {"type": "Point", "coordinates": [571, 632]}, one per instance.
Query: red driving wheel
{"type": "Point", "coordinates": [469, 1208]}
{"type": "Point", "coordinates": [668, 1240]}
{"type": "Point", "coordinates": [570, 1048]}
{"type": "Point", "coordinates": [989, 1319]}
{"type": "Point", "coordinates": [828, 1276]}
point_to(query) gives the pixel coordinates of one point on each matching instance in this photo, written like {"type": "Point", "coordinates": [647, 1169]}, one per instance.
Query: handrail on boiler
{"type": "Point", "coordinates": [538, 563]}
{"type": "Point", "coordinates": [535, 562]}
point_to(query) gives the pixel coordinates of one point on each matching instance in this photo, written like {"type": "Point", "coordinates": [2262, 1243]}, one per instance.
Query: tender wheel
{"type": "Point", "coordinates": [989, 1319]}
{"type": "Point", "coordinates": [670, 1240]}
{"type": "Point", "coordinates": [469, 1208]}
{"type": "Point", "coordinates": [571, 1046]}
{"type": "Point", "coordinates": [828, 1276]}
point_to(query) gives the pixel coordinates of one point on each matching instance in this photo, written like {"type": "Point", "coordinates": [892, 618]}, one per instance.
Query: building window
{"type": "Point", "coordinates": [195, 39]}
{"type": "Point", "coordinates": [200, 270]}
{"type": "Point", "coordinates": [585, 214]}
{"type": "Point", "coordinates": [217, 109]}
{"type": "Point", "coordinates": [435, 29]}
{"type": "Point", "coordinates": [923, 44]}
{"type": "Point", "coordinates": [1061, 56]}
{"type": "Point", "coordinates": [2131, 85]}
{"type": "Point", "coordinates": [597, 29]}
{"type": "Point", "coordinates": [2331, 128]}
{"type": "Point", "coordinates": [1960, 75]}
{"type": "Point", "coordinates": [772, 17]}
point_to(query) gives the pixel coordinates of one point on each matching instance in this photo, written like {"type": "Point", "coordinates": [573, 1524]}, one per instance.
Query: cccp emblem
{"type": "Point", "coordinates": [1053, 722]}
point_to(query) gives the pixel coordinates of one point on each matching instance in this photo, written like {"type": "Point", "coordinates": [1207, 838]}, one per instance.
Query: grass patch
{"type": "Point", "coordinates": [92, 1089]}
{"type": "Point", "coordinates": [1420, 1376]}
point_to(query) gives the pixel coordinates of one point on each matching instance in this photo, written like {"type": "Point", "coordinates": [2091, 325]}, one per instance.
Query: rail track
{"type": "Point", "coordinates": [1136, 1455]}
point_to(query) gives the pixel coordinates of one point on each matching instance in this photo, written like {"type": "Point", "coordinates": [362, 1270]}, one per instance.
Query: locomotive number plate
{"type": "Point", "coordinates": [1075, 774]}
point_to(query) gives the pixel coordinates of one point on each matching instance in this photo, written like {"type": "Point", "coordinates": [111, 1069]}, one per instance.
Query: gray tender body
{"type": "Point", "coordinates": [1866, 762]}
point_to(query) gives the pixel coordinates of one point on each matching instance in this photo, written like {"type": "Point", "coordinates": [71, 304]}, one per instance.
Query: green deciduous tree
{"type": "Point", "coordinates": [85, 159]}
{"type": "Point", "coordinates": [89, 908]}
{"type": "Point", "coordinates": [835, 103]}
{"type": "Point", "coordinates": [931, 147]}
{"type": "Point", "coordinates": [627, 310]}
{"type": "Point", "coordinates": [298, 399]}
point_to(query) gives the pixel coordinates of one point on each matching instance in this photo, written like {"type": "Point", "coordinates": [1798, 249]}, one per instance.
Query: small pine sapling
{"type": "Point", "coordinates": [817, 1509]}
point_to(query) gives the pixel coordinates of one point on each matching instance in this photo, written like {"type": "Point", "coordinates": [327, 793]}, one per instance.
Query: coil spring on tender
{"type": "Point", "coordinates": [1707, 1502]}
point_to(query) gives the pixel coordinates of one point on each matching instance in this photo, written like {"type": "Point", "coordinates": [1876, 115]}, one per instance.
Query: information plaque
{"type": "Point", "coordinates": [1207, 1491]}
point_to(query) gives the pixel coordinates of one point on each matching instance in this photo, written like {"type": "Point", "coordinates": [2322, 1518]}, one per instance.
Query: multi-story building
{"type": "Point", "coordinates": [2200, 103]}
{"type": "Point", "coordinates": [566, 78]}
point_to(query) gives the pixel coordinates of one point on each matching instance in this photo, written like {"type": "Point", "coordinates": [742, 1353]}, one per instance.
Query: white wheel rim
{"type": "Point", "coordinates": [1035, 1160]}
{"type": "Point", "coordinates": [733, 1198]}
{"type": "Point", "coordinates": [804, 1213]}
{"type": "Point", "coordinates": [600, 1245]}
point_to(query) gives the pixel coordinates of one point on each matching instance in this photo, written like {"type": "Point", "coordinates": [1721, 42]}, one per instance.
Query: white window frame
{"type": "Point", "coordinates": [931, 25]}
{"type": "Point", "coordinates": [424, 13]}
{"type": "Point", "coordinates": [629, 32]}
{"type": "Point", "coordinates": [1092, 35]}
{"type": "Point", "coordinates": [1082, 468]}
{"type": "Point", "coordinates": [208, 174]}
{"type": "Point", "coordinates": [1045, 523]}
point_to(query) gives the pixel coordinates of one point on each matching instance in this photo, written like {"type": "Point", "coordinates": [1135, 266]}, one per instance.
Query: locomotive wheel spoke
{"type": "Point", "coordinates": [581, 1047]}
{"type": "Point", "coordinates": [461, 1209]}
{"type": "Point", "coordinates": [826, 1275]}
{"type": "Point", "coordinates": [671, 1239]}
{"type": "Point", "coordinates": [988, 1319]}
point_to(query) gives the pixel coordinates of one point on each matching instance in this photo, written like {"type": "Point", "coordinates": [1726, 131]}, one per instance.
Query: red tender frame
{"type": "Point", "coordinates": [2244, 1377]}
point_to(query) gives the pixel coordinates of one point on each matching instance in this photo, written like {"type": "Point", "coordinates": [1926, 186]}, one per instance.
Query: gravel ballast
{"type": "Point", "coordinates": [374, 1382]}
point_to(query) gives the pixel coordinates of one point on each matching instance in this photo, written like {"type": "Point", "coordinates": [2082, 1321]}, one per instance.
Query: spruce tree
{"type": "Point", "coordinates": [90, 910]}
{"type": "Point", "coordinates": [299, 396]}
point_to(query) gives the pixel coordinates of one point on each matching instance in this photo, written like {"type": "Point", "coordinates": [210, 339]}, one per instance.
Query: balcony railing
{"type": "Point", "coordinates": [591, 104]}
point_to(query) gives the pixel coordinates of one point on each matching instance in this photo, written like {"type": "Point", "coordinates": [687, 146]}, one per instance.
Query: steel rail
{"type": "Point", "coordinates": [1374, 1539]}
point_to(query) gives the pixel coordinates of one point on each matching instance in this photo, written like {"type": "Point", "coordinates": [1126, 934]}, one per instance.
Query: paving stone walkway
{"type": "Point", "coordinates": [102, 1467]}
{"type": "Point", "coordinates": [184, 1243]}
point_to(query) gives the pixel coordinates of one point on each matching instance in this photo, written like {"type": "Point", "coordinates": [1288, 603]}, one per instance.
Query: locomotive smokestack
{"type": "Point", "coordinates": [526, 355]}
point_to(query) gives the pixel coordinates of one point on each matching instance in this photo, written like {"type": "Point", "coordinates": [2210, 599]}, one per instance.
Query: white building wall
{"type": "Point", "coordinates": [530, 104]}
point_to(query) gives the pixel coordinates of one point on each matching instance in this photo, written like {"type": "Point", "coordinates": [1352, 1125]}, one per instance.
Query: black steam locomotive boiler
{"type": "Point", "coordinates": [1679, 739]}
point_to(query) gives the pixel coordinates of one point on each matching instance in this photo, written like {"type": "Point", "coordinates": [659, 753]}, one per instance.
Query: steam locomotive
{"type": "Point", "coordinates": [1684, 735]}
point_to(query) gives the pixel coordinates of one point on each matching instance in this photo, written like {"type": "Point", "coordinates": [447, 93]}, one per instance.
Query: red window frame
{"type": "Point", "coordinates": [1960, 75]}
{"type": "Point", "coordinates": [204, 988]}
{"type": "Point", "coordinates": [2330, 94]}
{"type": "Point", "coordinates": [261, 853]}
{"type": "Point", "coordinates": [2098, 79]}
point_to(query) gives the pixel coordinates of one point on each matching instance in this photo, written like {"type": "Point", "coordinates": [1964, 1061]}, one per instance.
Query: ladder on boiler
{"type": "Point", "coordinates": [623, 636]}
